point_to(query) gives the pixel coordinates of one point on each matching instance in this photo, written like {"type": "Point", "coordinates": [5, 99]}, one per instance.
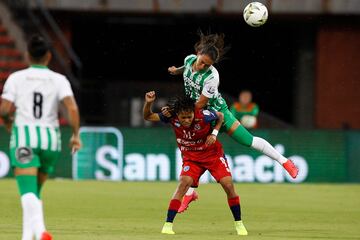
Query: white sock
{"type": "Point", "coordinates": [27, 233]}
{"type": "Point", "coordinates": [41, 220]}
{"type": "Point", "coordinates": [263, 146]}
{"type": "Point", "coordinates": [32, 206]}
{"type": "Point", "coordinates": [189, 191]}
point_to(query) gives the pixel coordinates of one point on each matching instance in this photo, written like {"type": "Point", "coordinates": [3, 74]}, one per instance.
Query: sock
{"type": "Point", "coordinates": [41, 220]}
{"type": "Point", "coordinates": [234, 204]}
{"type": "Point", "coordinates": [27, 232]}
{"type": "Point", "coordinates": [189, 191]}
{"type": "Point", "coordinates": [27, 184]}
{"type": "Point", "coordinates": [263, 146]}
{"type": "Point", "coordinates": [33, 214]}
{"type": "Point", "coordinates": [33, 222]}
{"type": "Point", "coordinates": [39, 188]}
{"type": "Point", "coordinates": [173, 209]}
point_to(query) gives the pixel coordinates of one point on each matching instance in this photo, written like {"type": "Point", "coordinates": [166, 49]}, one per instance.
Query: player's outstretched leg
{"type": "Point", "coordinates": [242, 136]}
{"type": "Point", "coordinates": [190, 196]}
{"type": "Point", "coordinates": [175, 202]}
{"type": "Point", "coordinates": [33, 220]}
{"type": "Point", "coordinates": [234, 204]}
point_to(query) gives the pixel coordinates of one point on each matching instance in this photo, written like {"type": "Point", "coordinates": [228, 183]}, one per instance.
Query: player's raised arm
{"type": "Point", "coordinates": [176, 70]}
{"type": "Point", "coordinates": [147, 112]}
{"type": "Point", "coordinates": [74, 121]}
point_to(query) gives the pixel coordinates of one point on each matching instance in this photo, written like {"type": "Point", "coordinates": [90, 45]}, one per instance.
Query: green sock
{"type": "Point", "coordinates": [242, 136]}
{"type": "Point", "coordinates": [39, 188]}
{"type": "Point", "coordinates": [27, 184]}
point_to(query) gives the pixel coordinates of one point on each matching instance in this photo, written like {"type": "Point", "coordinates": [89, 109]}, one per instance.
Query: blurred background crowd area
{"type": "Point", "coordinates": [302, 67]}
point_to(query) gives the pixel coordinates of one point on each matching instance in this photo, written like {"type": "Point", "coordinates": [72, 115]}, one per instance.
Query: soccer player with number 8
{"type": "Point", "coordinates": [35, 145]}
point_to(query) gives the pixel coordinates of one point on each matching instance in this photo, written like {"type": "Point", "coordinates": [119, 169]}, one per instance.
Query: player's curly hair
{"type": "Point", "coordinates": [212, 45]}
{"type": "Point", "coordinates": [37, 47]}
{"type": "Point", "coordinates": [181, 104]}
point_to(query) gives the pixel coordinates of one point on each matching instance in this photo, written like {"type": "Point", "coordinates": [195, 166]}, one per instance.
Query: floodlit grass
{"type": "Point", "coordinates": [89, 210]}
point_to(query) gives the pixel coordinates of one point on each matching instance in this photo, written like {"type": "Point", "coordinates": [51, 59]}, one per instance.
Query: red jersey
{"type": "Point", "coordinates": [191, 140]}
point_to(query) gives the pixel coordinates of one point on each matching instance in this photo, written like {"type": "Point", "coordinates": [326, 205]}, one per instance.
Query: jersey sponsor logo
{"type": "Point", "coordinates": [188, 143]}
{"type": "Point", "coordinates": [186, 168]}
{"type": "Point", "coordinates": [188, 134]}
{"type": "Point", "coordinates": [24, 155]}
{"type": "Point", "coordinates": [192, 84]}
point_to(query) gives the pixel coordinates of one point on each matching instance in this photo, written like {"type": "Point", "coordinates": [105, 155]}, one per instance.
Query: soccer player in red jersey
{"type": "Point", "coordinates": [201, 83]}
{"type": "Point", "coordinates": [200, 150]}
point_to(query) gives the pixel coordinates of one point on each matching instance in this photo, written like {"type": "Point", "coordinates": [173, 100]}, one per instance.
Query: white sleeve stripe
{"type": "Point", "coordinates": [205, 93]}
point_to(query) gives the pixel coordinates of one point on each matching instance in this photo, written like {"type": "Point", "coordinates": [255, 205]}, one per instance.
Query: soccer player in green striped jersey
{"type": "Point", "coordinates": [36, 93]}
{"type": "Point", "coordinates": [201, 81]}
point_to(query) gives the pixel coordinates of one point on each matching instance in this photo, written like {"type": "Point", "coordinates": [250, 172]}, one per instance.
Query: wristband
{"type": "Point", "coordinates": [215, 132]}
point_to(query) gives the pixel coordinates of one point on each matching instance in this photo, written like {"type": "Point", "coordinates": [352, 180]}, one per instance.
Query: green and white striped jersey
{"type": "Point", "coordinates": [203, 82]}
{"type": "Point", "coordinates": [36, 93]}
{"type": "Point", "coordinates": [36, 137]}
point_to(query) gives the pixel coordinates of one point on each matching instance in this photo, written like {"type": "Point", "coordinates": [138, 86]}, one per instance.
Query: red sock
{"type": "Point", "coordinates": [234, 201]}
{"type": "Point", "coordinates": [234, 204]}
{"type": "Point", "coordinates": [173, 209]}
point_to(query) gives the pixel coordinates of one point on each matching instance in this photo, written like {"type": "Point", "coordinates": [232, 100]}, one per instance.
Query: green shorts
{"type": "Point", "coordinates": [35, 147]}
{"type": "Point", "coordinates": [241, 135]}
{"type": "Point", "coordinates": [229, 120]}
{"type": "Point", "coordinates": [25, 157]}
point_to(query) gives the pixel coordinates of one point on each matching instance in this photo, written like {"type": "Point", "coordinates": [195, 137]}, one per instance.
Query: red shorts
{"type": "Point", "coordinates": [217, 166]}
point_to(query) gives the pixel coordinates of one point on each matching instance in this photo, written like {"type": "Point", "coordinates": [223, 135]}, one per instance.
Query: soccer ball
{"type": "Point", "coordinates": [255, 14]}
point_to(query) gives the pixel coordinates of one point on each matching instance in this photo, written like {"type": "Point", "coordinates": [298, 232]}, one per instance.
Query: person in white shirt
{"type": "Point", "coordinates": [36, 93]}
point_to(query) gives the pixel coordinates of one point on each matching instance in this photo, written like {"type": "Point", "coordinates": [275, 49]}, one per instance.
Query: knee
{"type": "Point", "coordinates": [229, 187]}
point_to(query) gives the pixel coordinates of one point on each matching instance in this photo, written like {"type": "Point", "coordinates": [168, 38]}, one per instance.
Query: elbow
{"type": "Point", "coordinates": [221, 116]}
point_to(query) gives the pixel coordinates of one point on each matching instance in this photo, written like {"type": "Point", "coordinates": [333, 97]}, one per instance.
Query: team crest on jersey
{"type": "Point", "coordinates": [24, 154]}
{"type": "Point", "coordinates": [197, 127]}
{"type": "Point", "coordinates": [210, 90]}
{"type": "Point", "coordinates": [186, 168]}
{"type": "Point", "coordinates": [206, 112]}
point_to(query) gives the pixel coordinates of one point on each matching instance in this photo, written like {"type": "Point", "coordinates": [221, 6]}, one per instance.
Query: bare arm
{"type": "Point", "coordinates": [176, 70]}
{"type": "Point", "coordinates": [5, 113]}
{"type": "Point", "coordinates": [220, 120]}
{"type": "Point", "coordinates": [201, 102]}
{"type": "Point", "coordinates": [147, 112]}
{"type": "Point", "coordinates": [74, 121]}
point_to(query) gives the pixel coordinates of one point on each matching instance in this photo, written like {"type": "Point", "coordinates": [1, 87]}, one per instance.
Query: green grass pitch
{"type": "Point", "coordinates": [89, 210]}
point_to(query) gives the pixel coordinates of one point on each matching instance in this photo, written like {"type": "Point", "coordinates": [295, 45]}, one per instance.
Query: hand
{"type": "Point", "coordinates": [8, 124]}
{"type": "Point", "coordinates": [75, 143]}
{"type": "Point", "coordinates": [172, 70]}
{"type": "Point", "coordinates": [150, 97]}
{"type": "Point", "coordinates": [210, 140]}
{"type": "Point", "coordinates": [165, 111]}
